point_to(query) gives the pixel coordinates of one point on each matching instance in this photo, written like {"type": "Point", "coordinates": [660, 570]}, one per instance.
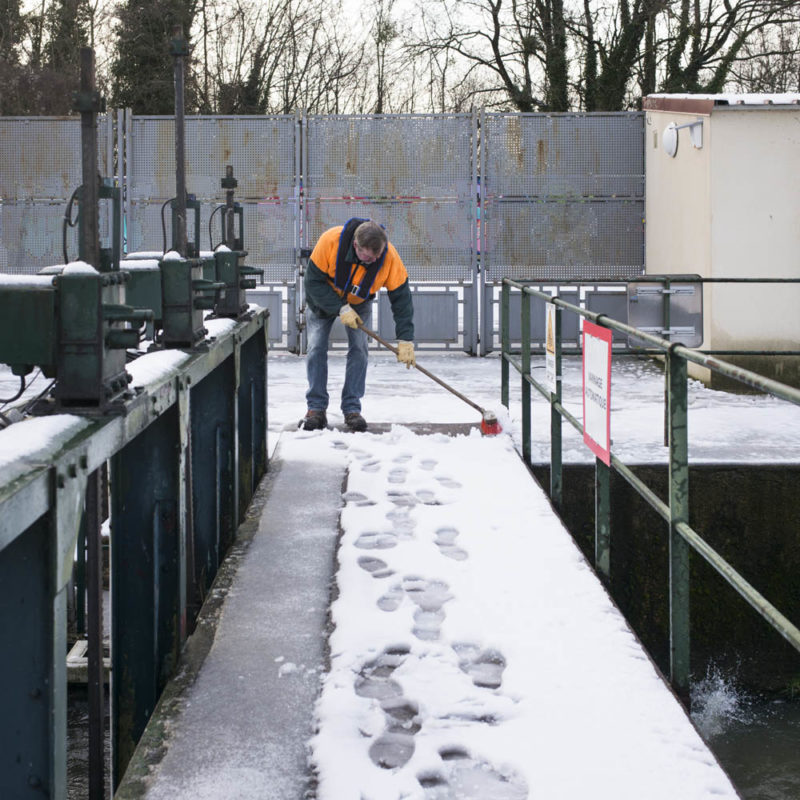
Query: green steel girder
{"type": "Point", "coordinates": [41, 505]}
{"type": "Point", "coordinates": [25, 495]}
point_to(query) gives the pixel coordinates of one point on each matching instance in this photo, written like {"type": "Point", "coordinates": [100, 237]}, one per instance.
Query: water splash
{"type": "Point", "coordinates": [718, 703]}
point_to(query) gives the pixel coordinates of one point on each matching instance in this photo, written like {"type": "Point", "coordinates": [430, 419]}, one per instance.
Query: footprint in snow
{"type": "Point", "coordinates": [397, 475]}
{"type": "Point", "coordinates": [402, 521]}
{"type": "Point", "coordinates": [428, 595]}
{"type": "Point", "coordinates": [427, 497]}
{"type": "Point", "coordinates": [485, 667]}
{"type": "Point", "coordinates": [376, 541]}
{"type": "Point", "coordinates": [464, 777]}
{"type": "Point", "coordinates": [448, 483]}
{"type": "Point", "coordinates": [377, 567]}
{"type": "Point", "coordinates": [357, 498]}
{"type": "Point", "coordinates": [392, 599]}
{"type": "Point", "coordinates": [395, 746]}
{"type": "Point", "coordinates": [445, 540]}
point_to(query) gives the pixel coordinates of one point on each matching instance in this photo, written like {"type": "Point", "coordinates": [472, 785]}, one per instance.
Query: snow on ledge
{"type": "Point", "coordinates": [35, 282]}
{"type": "Point", "coordinates": [154, 367]}
{"type": "Point", "coordinates": [32, 442]}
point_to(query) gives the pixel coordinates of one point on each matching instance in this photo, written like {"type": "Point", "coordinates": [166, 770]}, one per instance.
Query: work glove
{"type": "Point", "coordinates": [405, 353]}
{"type": "Point", "coordinates": [349, 317]}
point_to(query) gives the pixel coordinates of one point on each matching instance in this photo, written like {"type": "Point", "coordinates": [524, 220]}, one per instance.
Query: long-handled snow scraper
{"type": "Point", "coordinates": [489, 424]}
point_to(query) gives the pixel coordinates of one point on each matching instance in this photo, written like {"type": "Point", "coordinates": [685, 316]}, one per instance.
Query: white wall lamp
{"type": "Point", "coordinates": [669, 140]}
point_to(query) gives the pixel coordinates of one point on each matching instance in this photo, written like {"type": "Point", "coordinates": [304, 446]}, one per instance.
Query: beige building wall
{"type": "Point", "coordinates": [755, 232]}
{"type": "Point", "coordinates": [730, 208]}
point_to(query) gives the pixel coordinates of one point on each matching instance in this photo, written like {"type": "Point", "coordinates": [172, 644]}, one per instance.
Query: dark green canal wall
{"type": "Point", "coordinates": [748, 514]}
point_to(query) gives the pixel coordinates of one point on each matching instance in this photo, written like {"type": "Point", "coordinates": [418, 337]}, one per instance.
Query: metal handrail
{"type": "Point", "coordinates": [663, 279]}
{"type": "Point", "coordinates": [674, 512]}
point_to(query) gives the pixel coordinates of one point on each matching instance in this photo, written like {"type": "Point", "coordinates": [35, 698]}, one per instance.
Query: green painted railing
{"type": "Point", "coordinates": [682, 537]}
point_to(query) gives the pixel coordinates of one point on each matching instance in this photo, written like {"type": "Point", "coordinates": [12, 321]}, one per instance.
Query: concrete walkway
{"type": "Point", "coordinates": [227, 726]}
{"type": "Point", "coordinates": [572, 701]}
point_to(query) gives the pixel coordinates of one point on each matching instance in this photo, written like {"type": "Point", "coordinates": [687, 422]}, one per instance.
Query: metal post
{"type": "Point", "coordinates": [179, 50]}
{"type": "Point", "coordinates": [96, 682]}
{"type": "Point", "coordinates": [526, 372]}
{"type": "Point", "coordinates": [602, 519]}
{"type": "Point", "coordinates": [185, 520]}
{"type": "Point", "coordinates": [230, 184]}
{"type": "Point", "coordinates": [679, 513]}
{"type": "Point", "coordinates": [556, 472]}
{"type": "Point", "coordinates": [88, 103]}
{"type": "Point", "coordinates": [665, 324]}
{"type": "Point", "coordinates": [80, 582]}
{"type": "Point", "coordinates": [478, 289]}
{"type": "Point", "coordinates": [505, 344]}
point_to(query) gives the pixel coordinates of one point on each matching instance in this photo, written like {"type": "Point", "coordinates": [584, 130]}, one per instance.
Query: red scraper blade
{"type": "Point", "coordinates": [489, 424]}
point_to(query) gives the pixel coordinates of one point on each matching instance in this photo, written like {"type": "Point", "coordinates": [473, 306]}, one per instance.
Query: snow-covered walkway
{"type": "Point", "coordinates": [473, 654]}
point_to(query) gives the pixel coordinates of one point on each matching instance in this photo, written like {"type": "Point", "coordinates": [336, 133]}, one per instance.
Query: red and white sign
{"type": "Point", "coordinates": [597, 390]}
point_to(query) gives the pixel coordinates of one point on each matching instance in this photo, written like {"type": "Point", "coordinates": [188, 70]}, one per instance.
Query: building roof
{"type": "Point", "coordinates": [705, 103]}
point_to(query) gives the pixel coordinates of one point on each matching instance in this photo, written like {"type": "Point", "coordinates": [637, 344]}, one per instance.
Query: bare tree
{"type": "Point", "coordinates": [705, 39]}
{"type": "Point", "coordinates": [770, 62]}
{"type": "Point", "coordinates": [611, 40]}
{"type": "Point", "coordinates": [504, 47]}
{"type": "Point", "coordinates": [597, 54]}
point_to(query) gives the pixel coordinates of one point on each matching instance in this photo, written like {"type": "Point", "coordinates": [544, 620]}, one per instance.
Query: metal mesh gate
{"type": "Point", "coordinates": [553, 197]}
{"type": "Point", "coordinates": [562, 199]}
{"type": "Point", "coordinates": [563, 195]}
{"type": "Point", "coordinates": [264, 154]}
{"type": "Point", "coordinates": [40, 168]}
{"type": "Point", "coordinates": [417, 176]}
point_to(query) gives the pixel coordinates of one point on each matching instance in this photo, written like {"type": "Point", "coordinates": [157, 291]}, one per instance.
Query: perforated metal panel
{"type": "Point", "coordinates": [613, 303]}
{"type": "Point", "coordinates": [563, 195]}
{"type": "Point", "coordinates": [415, 174]}
{"type": "Point", "coordinates": [563, 239]}
{"type": "Point", "coordinates": [435, 314]}
{"type": "Point", "coordinates": [260, 149]}
{"type": "Point", "coordinates": [40, 167]}
{"type": "Point", "coordinates": [263, 154]}
{"type": "Point", "coordinates": [269, 239]}
{"type": "Point", "coordinates": [429, 236]}
{"type": "Point", "coordinates": [569, 322]}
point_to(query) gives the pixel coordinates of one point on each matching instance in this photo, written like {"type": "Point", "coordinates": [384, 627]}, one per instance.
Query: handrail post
{"type": "Point", "coordinates": [602, 519]}
{"type": "Point", "coordinates": [556, 455]}
{"type": "Point", "coordinates": [677, 380]}
{"type": "Point", "coordinates": [526, 373]}
{"type": "Point", "coordinates": [505, 343]}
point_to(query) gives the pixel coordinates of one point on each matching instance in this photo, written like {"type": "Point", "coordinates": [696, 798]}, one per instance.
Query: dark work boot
{"type": "Point", "coordinates": [355, 422]}
{"type": "Point", "coordinates": [314, 420]}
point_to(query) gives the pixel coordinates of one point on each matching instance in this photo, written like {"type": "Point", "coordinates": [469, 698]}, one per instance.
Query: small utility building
{"type": "Point", "coordinates": [723, 201]}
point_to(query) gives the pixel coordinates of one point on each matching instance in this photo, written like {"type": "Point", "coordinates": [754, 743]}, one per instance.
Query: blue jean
{"type": "Point", "coordinates": [355, 375]}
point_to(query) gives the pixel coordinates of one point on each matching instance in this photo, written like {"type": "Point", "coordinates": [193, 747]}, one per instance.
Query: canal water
{"type": "Point", "coordinates": [756, 738]}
